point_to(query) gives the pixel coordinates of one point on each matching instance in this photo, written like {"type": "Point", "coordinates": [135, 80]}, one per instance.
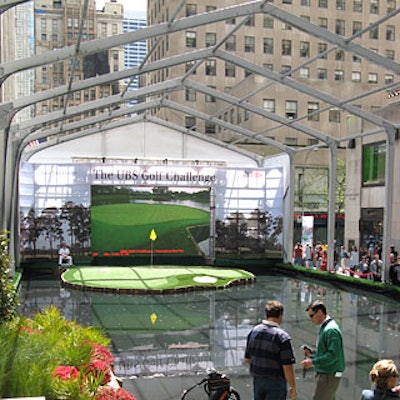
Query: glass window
{"type": "Point", "coordinates": [322, 47]}
{"type": "Point", "coordinates": [269, 105]}
{"type": "Point", "coordinates": [304, 49]}
{"type": "Point", "coordinates": [210, 127]}
{"type": "Point", "coordinates": [334, 115]}
{"type": "Point", "coordinates": [356, 76]}
{"type": "Point", "coordinates": [189, 65]}
{"type": "Point", "coordinates": [323, 22]}
{"type": "Point", "coordinates": [211, 39]}
{"type": "Point", "coordinates": [305, 3]}
{"type": "Point", "coordinates": [389, 78]}
{"type": "Point", "coordinates": [190, 94]}
{"type": "Point", "coordinates": [286, 70]}
{"type": "Point", "coordinates": [374, 33]}
{"type": "Point", "coordinates": [304, 72]}
{"type": "Point", "coordinates": [389, 54]}
{"type": "Point", "coordinates": [230, 43]}
{"type": "Point", "coordinates": [210, 98]}
{"type": "Point", "coordinates": [357, 6]}
{"type": "Point", "coordinates": [340, 27]}
{"type": "Point", "coordinates": [390, 32]}
{"type": "Point", "coordinates": [357, 26]}
{"type": "Point", "coordinates": [322, 73]}
{"type": "Point", "coordinates": [268, 22]}
{"type": "Point", "coordinates": [312, 107]}
{"type": "Point", "coordinates": [249, 44]}
{"type": "Point", "coordinates": [374, 7]}
{"type": "Point", "coordinates": [323, 3]}
{"type": "Point", "coordinates": [391, 6]}
{"type": "Point", "coordinates": [291, 109]}
{"type": "Point", "coordinates": [210, 8]}
{"type": "Point", "coordinates": [190, 122]}
{"type": "Point", "coordinates": [356, 59]}
{"type": "Point", "coordinates": [230, 69]}
{"type": "Point", "coordinates": [340, 4]}
{"type": "Point", "coordinates": [339, 75]}
{"type": "Point", "coordinates": [211, 67]}
{"type": "Point", "coordinates": [372, 77]}
{"type": "Point", "coordinates": [191, 9]}
{"type": "Point", "coordinates": [250, 21]}
{"type": "Point", "coordinates": [268, 46]}
{"type": "Point", "coordinates": [373, 164]}
{"type": "Point", "coordinates": [286, 47]}
{"type": "Point", "coordinates": [191, 39]}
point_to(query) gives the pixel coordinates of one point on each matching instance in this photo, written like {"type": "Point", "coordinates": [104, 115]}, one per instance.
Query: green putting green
{"type": "Point", "coordinates": [153, 279]}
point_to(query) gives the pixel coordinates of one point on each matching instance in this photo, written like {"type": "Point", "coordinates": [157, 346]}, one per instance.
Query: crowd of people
{"type": "Point", "coordinates": [270, 354]}
{"type": "Point", "coordinates": [365, 263]}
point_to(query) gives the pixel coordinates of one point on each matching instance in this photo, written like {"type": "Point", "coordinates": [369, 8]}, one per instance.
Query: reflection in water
{"type": "Point", "coordinates": [170, 334]}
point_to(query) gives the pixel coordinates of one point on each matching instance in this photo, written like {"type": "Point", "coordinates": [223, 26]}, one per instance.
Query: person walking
{"type": "Point", "coordinates": [384, 375]}
{"type": "Point", "coordinates": [269, 351]}
{"type": "Point", "coordinates": [328, 361]}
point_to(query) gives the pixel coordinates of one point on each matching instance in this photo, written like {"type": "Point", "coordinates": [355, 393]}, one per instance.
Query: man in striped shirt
{"type": "Point", "coordinates": [269, 351]}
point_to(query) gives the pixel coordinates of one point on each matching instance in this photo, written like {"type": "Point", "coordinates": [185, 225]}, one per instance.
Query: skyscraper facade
{"type": "Point", "coordinates": [135, 52]}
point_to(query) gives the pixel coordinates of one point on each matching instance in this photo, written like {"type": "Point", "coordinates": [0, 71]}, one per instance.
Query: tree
{"type": "Point", "coordinates": [33, 227]}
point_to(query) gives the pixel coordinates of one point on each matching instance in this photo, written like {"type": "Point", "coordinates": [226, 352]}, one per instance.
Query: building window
{"type": "Point", "coordinates": [356, 59]}
{"type": "Point", "coordinates": [230, 43]}
{"type": "Point", "coordinates": [191, 39]}
{"type": "Point", "coordinates": [291, 141]}
{"type": "Point", "coordinates": [191, 9]}
{"type": "Point", "coordinates": [390, 32]}
{"type": "Point", "coordinates": [210, 98]}
{"type": "Point", "coordinates": [357, 6]}
{"type": "Point", "coordinates": [210, 8]}
{"type": "Point", "coordinates": [231, 21]}
{"type": "Point", "coordinates": [322, 47]}
{"type": "Point", "coordinates": [389, 78]}
{"type": "Point", "coordinates": [268, 46]}
{"type": "Point", "coordinates": [389, 54]}
{"type": "Point", "coordinates": [391, 6]}
{"type": "Point", "coordinates": [322, 73]}
{"type": "Point", "coordinates": [334, 115]}
{"type": "Point", "coordinates": [249, 44]}
{"type": "Point", "coordinates": [268, 22]}
{"type": "Point", "coordinates": [312, 109]}
{"type": "Point", "coordinates": [305, 3]}
{"type": "Point", "coordinates": [339, 75]}
{"type": "Point", "coordinates": [210, 127]}
{"type": "Point", "coordinates": [286, 47]}
{"type": "Point", "coordinates": [269, 67]}
{"type": "Point", "coordinates": [339, 55]}
{"type": "Point", "coordinates": [211, 67]}
{"type": "Point", "coordinates": [357, 26]}
{"type": "Point", "coordinates": [189, 65]}
{"type": "Point", "coordinates": [304, 72]}
{"type": "Point", "coordinates": [269, 105]}
{"type": "Point", "coordinates": [190, 122]}
{"type": "Point", "coordinates": [373, 164]}
{"type": "Point", "coordinates": [374, 7]}
{"type": "Point", "coordinates": [372, 77]}
{"type": "Point", "coordinates": [323, 3]}
{"type": "Point", "coordinates": [340, 27]}
{"type": "Point", "coordinates": [286, 70]}
{"type": "Point", "coordinates": [374, 33]}
{"type": "Point", "coordinates": [356, 76]}
{"type": "Point", "coordinates": [230, 70]}
{"type": "Point", "coordinates": [291, 109]}
{"type": "Point", "coordinates": [340, 5]}
{"type": "Point", "coordinates": [323, 22]}
{"type": "Point", "coordinates": [190, 94]}
{"type": "Point", "coordinates": [250, 21]}
{"type": "Point", "coordinates": [304, 49]}
{"type": "Point", "coordinates": [211, 39]}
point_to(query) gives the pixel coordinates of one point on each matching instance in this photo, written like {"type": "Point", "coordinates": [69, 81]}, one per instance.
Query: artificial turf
{"type": "Point", "coordinates": [144, 279]}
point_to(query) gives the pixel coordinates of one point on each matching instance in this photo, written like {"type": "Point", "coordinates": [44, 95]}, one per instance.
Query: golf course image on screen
{"type": "Point", "coordinates": [127, 221]}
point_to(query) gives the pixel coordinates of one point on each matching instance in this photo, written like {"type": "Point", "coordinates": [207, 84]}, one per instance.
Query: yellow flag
{"type": "Point", "coordinates": [153, 235]}
{"type": "Point", "coordinates": [153, 318]}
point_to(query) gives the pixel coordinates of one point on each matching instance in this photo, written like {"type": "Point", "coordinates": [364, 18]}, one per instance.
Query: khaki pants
{"type": "Point", "coordinates": [326, 386]}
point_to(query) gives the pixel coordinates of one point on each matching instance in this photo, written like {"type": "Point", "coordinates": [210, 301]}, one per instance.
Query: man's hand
{"type": "Point", "coordinates": [292, 393]}
{"type": "Point", "coordinates": [307, 363]}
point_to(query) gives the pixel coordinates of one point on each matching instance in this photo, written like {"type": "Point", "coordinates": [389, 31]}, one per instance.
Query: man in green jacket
{"type": "Point", "coordinates": [328, 361]}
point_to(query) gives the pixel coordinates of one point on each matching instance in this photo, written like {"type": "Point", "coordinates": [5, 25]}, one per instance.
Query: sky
{"type": "Point", "coordinates": [132, 5]}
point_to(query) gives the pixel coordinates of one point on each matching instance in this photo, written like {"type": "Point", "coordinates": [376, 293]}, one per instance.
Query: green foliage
{"type": "Point", "coordinates": [8, 295]}
{"type": "Point", "coordinates": [31, 349]}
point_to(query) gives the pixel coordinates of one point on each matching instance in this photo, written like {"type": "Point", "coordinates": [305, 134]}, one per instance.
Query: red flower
{"type": "Point", "coordinates": [98, 367]}
{"type": "Point", "coordinates": [65, 372]}
{"type": "Point", "coordinates": [102, 353]}
{"type": "Point", "coordinates": [106, 393]}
